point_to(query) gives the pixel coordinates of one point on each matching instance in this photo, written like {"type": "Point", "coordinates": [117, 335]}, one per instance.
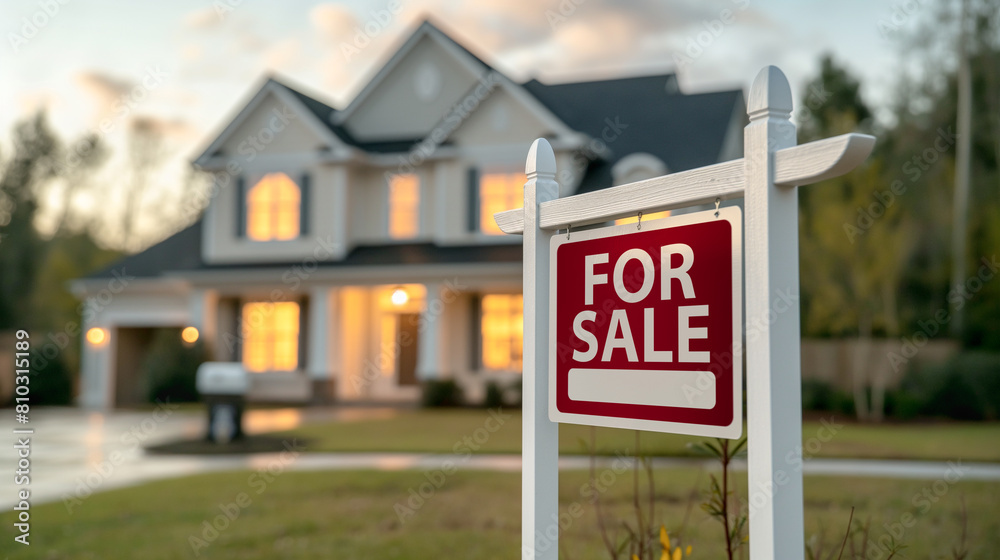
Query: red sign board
{"type": "Point", "coordinates": [646, 323]}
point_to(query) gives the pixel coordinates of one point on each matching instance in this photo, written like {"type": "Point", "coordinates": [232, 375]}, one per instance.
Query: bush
{"type": "Point", "coordinates": [171, 366]}
{"type": "Point", "coordinates": [966, 387]}
{"type": "Point", "coordinates": [816, 395]}
{"type": "Point", "coordinates": [822, 396]}
{"type": "Point", "coordinates": [441, 393]}
{"type": "Point", "coordinates": [494, 396]}
{"type": "Point", "coordinates": [52, 384]}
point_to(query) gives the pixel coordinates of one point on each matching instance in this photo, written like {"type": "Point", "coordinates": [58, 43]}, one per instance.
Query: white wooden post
{"type": "Point", "coordinates": [540, 436]}
{"type": "Point", "coordinates": [774, 400]}
{"type": "Point", "coordinates": [429, 355]}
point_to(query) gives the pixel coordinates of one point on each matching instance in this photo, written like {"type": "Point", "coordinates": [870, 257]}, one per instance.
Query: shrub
{"type": "Point", "coordinates": [822, 396]}
{"type": "Point", "coordinates": [171, 366]}
{"type": "Point", "coordinates": [966, 387]}
{"type": "Point", "coordinates": [494, 396]}
{"type": "Point", "coordinates": [52, 384]}
{"type": "Point", "coordinates": [442, 393]}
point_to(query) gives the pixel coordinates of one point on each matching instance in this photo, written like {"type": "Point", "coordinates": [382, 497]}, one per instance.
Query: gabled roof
{"type": "Point", "coordinates": [304, 103]}
{"type": "Point", "coordinates": [644, 114]}
{"type": "Point", "coordinates": [684, 131]}
{"type": "Point", "coordinates": [425, 29]}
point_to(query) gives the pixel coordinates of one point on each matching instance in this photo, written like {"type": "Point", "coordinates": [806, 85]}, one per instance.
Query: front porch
{"type": "Point", "coordinates": [325, 343]}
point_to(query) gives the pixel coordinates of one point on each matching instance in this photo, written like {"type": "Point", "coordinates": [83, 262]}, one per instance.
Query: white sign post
{"type": "Point", "coordinates": [767, 177]}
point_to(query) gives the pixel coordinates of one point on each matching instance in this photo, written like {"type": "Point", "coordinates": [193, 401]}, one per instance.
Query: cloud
{"type": "Point", "coordinates": [170, 129]}
{"type": "Point", "coordinates": [334, 21]}
{"type": "Point", "coordinates": [283, 54]}
{"type": "Point", "coordinates": [202, 18]}
{"type": "Point", "coordinates": [103, 89]}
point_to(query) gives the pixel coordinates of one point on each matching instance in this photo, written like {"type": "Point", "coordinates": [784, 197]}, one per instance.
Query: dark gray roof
{"type": "Point", "coordinates": [181, 253]}
{"type": "Point", "coordinates": [326, 113]}
{"type": "Point", "coordinates": [684, 131]}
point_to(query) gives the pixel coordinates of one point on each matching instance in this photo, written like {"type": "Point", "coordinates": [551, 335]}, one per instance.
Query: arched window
{"type": "Point", "coordinates": [638, 167]}
{"type": "Point", "coordinates": [273, 206]}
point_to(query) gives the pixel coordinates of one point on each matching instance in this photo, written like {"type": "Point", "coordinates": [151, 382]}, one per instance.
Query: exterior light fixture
{"type": "Point", "coordinates": [189, 335]}
{"type": "Point", "coordinates": [97, 336]}
{"type": "Point", "coordinates": [399, 296]}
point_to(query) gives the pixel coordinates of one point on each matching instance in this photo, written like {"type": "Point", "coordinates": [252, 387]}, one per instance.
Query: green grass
{"type": "Point", "coordinates": [440, 431]}
{"type": "Point", "coordinates": [474, 515]}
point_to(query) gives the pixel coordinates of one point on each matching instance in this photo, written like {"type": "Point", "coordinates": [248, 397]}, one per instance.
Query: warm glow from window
{"type": "Point", "coordinates": [273, 209]}
{"type": "Point", "coordinates": [645, 217]}
{"type": "Point", "coordinates": [271, 336]}
{"type": "Point", "coordinates": [387, 355]}
{"type": "Point", "coordinates": [498, 192]}
{"type": "Point", "coordinates": [404, 206]}
{"type": "Point", "coordinates": [97, 336]}
{"type": "Point", "coordinates": [503, 331]}
{"type": "Point", "coordinates": [189, 335]}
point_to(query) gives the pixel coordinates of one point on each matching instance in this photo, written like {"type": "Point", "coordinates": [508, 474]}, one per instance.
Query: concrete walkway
{"type": "Point", "coordinates": [75, 453]}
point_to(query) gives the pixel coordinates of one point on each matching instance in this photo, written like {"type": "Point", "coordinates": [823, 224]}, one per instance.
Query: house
{"type": "Point", "coordinates": [351, 253]}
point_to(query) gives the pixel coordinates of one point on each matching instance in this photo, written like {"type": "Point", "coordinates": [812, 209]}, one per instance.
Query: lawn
{"type": "Point", "coordinates": [473, 515]}
{"type": "Point", "coordinates": [462, 430]}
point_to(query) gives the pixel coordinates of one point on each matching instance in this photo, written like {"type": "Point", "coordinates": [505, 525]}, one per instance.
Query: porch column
{"type": "Point", "coordinates": [322, 310]}
{"type": "Point", "coordinates": [95, 366]}
{"type": "Point", "coordinates": [203, 309]}
{"type": "Point", "coordinates": [430, 362]}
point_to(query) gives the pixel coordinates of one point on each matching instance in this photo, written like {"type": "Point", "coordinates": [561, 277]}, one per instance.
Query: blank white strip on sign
{"type": "Point", "coordinates": [682, 389]}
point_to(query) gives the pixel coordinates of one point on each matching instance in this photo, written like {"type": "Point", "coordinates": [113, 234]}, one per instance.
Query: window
{"type": "Point", "coordinates": [502, 327]}
{"type": "Point", "coordinates": [404, 206]}
{"type": "Point", "coordinates": [498, 192]}
{"type": "Point", "coordinates": [645, 217]}
{"type": "Point", "coordinates": [271, 336]}
{"type": "Point", "coordinates": [273, 206]}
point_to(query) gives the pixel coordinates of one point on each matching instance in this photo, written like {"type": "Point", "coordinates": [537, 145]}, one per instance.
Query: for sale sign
{"type": "Point", "coordinates": [646, 323]}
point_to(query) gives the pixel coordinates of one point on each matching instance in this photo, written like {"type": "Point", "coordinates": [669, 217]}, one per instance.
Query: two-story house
{"type": "Point", "coordinates": [351, 253]}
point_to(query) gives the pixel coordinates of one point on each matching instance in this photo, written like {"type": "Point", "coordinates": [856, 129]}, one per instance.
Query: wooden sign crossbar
{"type": "Point", "coordinates": [766, 178]}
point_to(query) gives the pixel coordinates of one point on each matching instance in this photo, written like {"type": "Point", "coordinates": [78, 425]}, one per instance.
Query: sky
{"type": "Point", "coordinates": [189, 65]}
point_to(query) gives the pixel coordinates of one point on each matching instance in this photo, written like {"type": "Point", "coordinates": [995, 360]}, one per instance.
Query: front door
{"type": "Point", "coordinates": [406, 341]}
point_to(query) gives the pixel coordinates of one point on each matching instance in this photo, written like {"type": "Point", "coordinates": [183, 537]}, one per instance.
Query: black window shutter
{"type": "Point", "coordinates": [239, 330]}
{"type": "Point", "coordinates": [241, 207]}
{"type": "Point", "coordinates": [473, 197]}
{"type": "Point", "coordinates": [304, 311]}
{"type": "Point", "coordinates": [476, 331]}
{"type": "Point", "coordinates": [304, 191]}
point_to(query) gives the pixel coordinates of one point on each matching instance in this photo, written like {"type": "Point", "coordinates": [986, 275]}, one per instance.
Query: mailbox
{"type": "Point", "coordinates": [224, 387]}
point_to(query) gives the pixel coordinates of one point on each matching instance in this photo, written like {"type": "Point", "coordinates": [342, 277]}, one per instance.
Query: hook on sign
{"type": "Point", "coordinates": [568, 227]}
{"type": "Point", "coordinates": [718, 201]}
{"type": "Point", "coordinates": [638, 225]}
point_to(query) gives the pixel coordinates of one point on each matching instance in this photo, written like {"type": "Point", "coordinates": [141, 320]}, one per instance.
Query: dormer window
{"type": "Point", "coordinates": [273, 209]}
{"type": "Point", "coordinates": [498, 192]}
{"type": "Point", "coordinates": [638, 167]}
{"type": "Point", "coordinates": [404, 206]}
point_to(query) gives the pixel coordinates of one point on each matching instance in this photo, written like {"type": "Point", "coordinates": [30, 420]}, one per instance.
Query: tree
{"type": "Point", "coordinates": [34, 161]}
{"type": "Point", "coordinates": [145, 156]}
{"type": "Point", "coordinates": [852, 268]}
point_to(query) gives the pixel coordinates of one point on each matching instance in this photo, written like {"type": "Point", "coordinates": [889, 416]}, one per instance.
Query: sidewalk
{"type": "Point", "coordinates": [74, 451]}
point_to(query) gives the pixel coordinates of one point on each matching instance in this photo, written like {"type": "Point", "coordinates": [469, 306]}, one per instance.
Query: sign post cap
{"type": "Point", "coordinates": [769, 94]}
{"type": "Point", "coordinates": [541, 160]}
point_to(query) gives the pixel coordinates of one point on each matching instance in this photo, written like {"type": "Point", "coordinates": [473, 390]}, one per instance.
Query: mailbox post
{"type": "Point", "coordinates": [224, 387]}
